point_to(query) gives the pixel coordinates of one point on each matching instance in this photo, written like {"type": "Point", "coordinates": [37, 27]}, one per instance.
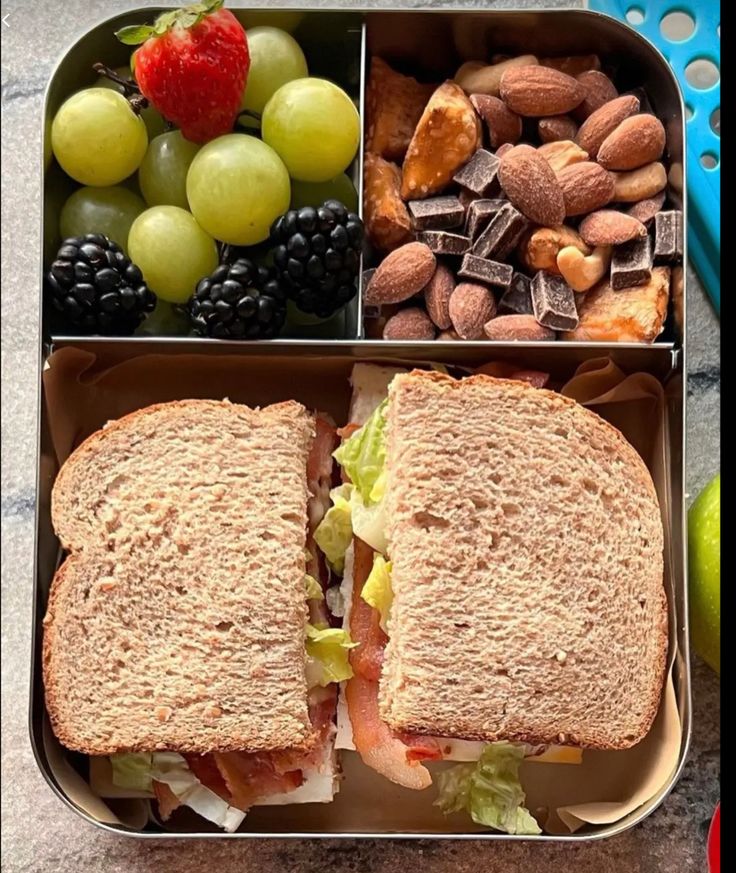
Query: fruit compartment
{"type": "Point", "coordinates": [87, 383]}
{"type": "Point", "coordinates": [332, 42]}
{"type": "Point", "coordinates": [431, 47]}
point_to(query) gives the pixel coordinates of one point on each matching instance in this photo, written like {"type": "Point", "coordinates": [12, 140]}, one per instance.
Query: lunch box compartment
{"type": "Point", "coordinates": [86, 385]}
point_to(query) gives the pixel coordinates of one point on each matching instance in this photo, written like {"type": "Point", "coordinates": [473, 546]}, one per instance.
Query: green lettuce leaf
{"type": "Point", "coordinates": [327, 651]}
{"type": "Point", "coordinates": [314, 589]}
{"type": "Point", "coordinates": [363, 456]}
{"type": "Point", "coordinates": [377, 589]}
{"type": "Point", "coordinates": [173, 770]}
{"type": "Point", "coordinates": [369, 522]}
{"type": "Point", "coordinates": [132, 770]}
{"type": "Point", "coordinates": [335, 532]}
{"type": "Point", "coordinates": [489, 790]}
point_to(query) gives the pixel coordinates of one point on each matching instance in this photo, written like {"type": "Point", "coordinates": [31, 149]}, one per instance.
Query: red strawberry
{"type": "Point", "coordinates": [192, 65]}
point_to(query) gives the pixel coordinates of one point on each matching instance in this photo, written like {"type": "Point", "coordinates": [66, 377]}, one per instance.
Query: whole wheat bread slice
{"type": "Point", "coordinates": [177, 622]}
{"type": "Point", "coordinates": [526, 542]}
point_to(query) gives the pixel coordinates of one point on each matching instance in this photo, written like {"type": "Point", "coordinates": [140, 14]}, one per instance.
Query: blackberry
{"type": "Point", "coordinates": [95, 288]}
{"type": "Point", "coordinates": [240, 300]}
{"type": "Point", "coordinates": [317, 256]}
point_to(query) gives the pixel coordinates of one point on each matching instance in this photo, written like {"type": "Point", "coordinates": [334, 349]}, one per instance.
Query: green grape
{"type": "Point", "coordinates": [172, 251]}
{"type": "Point", "coordinates": [165, 320]}
{"type": "Point", "coordinates": [163, 174]}
{"type": "Point", "coordinates": [275, 59]}
{"type": "Point", "coordinates": [101, 210]}
{"type": "Point", "coordinates": [154, 121]}
{"type": "Point", "coordinates": [236, 187]}
{"type": "Point", "coordinates": [285, 20]}
{"type": "Point", "coordinates": [314, 127]}
{"type": "Point", "coordinates": [97, 138]}
{"type": "Point", "coordinates": [315, 193]}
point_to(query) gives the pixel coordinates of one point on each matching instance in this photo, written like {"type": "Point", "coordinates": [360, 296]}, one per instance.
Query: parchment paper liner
{"type": "Point", "coordinates": [81, 395]}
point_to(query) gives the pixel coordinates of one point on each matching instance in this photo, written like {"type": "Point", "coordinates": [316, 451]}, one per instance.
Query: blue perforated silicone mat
{"type": "Point", "coordinates": [688, 35]}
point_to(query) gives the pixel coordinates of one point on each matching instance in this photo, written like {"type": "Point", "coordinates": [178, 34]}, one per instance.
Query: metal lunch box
{"type": "Point", "coordinates": [321, 356]}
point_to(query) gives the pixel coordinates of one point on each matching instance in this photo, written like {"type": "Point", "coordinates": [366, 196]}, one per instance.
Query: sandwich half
{"type": "Point", "coordinates": [187, 645]}
{"type": "Point", "coordinates": [503, 585]}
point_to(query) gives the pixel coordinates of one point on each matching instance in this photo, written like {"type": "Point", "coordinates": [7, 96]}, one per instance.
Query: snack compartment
{"type": "Point", "coordinates": [87, 384]}
{"type": "Point", "coordinates": [514, 238]}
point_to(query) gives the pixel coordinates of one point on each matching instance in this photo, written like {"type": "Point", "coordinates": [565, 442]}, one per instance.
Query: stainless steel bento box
{"type": "Point", "coordinates": [320, 363]}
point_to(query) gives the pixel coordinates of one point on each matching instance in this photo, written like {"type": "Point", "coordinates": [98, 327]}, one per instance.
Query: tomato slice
{"type": "Point", "coordinates": [374, 742]}
{"type": "Point", "coordinates": [366, 658]}
{"type": "Point", "coordinates": [419, 748]}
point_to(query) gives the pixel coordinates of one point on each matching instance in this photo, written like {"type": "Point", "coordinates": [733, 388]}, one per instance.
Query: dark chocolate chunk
{"type": "Point", "coordinates": [480, 174]}
{"type": "Point", "coordinates": [518, 298]}
{"type": "Point", "coordinates": [504, 231]}
{"type": "Point", "coordinates": [485, 271]}
{"type": "Point", "coordinates": [436, 213]}
{"type": "Point", "coordinates": [631, 264]}
{"type": "Point", "coordinates": [668, 237]}
{"type": "Point", "coordinates": [553, 302]}
{"type": "Point", "coordinates": [480, 212]}
{"type": "Point", "coordinates": [467, 197]}
{"type": "Point", "coordinates": [442, 243]}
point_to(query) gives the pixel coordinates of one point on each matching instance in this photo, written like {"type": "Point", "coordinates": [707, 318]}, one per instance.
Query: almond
{"type": "Point", "coordinates": [603, 121]}
{"type": "Point", "coordinates": [585, 187]}
{"type": "Point", "coordinates": [517, 328]}
{"type": "Point", "coordinates": [573, 65]}
{"type": "Point", "coordinates": [636, 141]}
{"type": "Point", "coordinates": [537, 91]}
{"type": "Point", "coordinates": [607, 227]}
{"type": "Point", "coordinates": [636, 185]}
{"type": "Point", "coordinates": [531, 186]}
{"type": "Point", "coordinates": [401, 275]}
{"type": "Point", "coordinates": [476, 77]}
{"type": "Point", "coordinates": [437, 296]}
{"type": "Point", "coordinates": [599, 89]}
{"type": "Point", "coordinates": [645, 210]}
{"type": "Point", "coordinates": [471, 306]}
{"type": "Point", "coordinates": [561, 154]}
{"type": "Point", "coordinates": [448, 336]}
{"type": "Point", "coordinates": [412, 323]}
{"type": "Point", "coordinates": [557, 127]}
{"type": "Point", "coordinates": [503, 124]}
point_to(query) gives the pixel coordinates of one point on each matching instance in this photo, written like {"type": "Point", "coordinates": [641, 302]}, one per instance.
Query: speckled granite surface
{"type": "Point", "coordinates": [38, 833]}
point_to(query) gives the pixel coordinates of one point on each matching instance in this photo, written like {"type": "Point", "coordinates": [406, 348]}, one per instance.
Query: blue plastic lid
{"type": "Point", "coordinates": [689, 35]}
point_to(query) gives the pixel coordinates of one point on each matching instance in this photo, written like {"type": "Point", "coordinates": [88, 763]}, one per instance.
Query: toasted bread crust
{"type": "Point", "coordinates": [179, 517]}
{"type": "Point", "coordinates": [543, 522]}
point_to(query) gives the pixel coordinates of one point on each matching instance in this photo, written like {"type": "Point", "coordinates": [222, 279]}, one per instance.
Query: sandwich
{"type": "Point", "coordinates": [187, 648]}
{"type": "Point", "coordinates": [502, 557]}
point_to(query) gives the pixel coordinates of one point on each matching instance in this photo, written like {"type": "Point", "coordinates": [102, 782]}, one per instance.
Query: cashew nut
{"type": "Point", "coordinates": [561, 153]}
{"type": "Point", "coordinates": [639, 184]}
{"type": "Point", "coordinates": [581, 271]}
{"type": "Point", "coordinates": [475, 77]}
{"type": "Point", "coordinates": [538, 250]}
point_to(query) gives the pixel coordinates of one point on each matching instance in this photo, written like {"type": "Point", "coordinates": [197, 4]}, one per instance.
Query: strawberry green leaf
{"type": "Point", "coordinates": [134, 35]}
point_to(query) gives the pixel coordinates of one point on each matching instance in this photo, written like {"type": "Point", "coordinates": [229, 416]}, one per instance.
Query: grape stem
{"type": "Point", "coordinates": [130, 87]}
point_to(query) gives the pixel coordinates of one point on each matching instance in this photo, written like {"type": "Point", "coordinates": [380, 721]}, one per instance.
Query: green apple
{"type": "Point", "coordinates": [704, 544]}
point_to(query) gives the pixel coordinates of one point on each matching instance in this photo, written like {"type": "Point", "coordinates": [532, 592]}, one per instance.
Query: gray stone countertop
{"type": "Point", "coordinates": [38, 832]}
